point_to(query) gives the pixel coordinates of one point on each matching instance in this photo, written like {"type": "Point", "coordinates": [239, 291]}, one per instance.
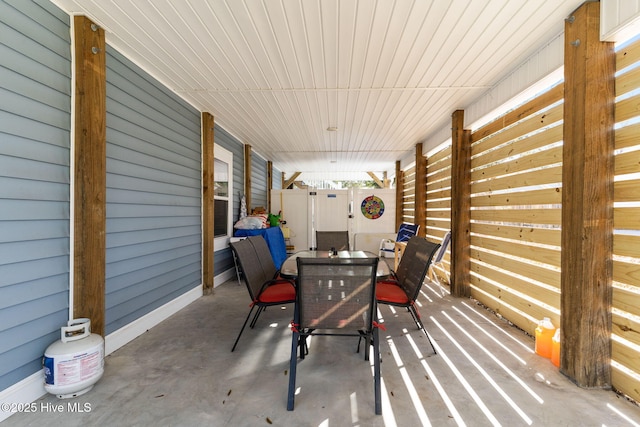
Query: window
{"type": "Point", "coordinates": [222, 195]}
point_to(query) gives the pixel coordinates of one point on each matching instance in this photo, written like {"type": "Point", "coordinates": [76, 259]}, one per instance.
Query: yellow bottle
{"type": "Point", "coordinates": [544, 336]}
{"type": "Point", "coordinates": [555, 348]}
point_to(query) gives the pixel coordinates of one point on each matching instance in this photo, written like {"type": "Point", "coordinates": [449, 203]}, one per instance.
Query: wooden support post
{"type": "Point", "coordinates": [421, 191]}
{"type": "Point", "coordinates": [247, 176]}
{"type": "Point", "coordinates": [207, 202]}
{"type": "Point", "coordinates": [460, 206]}
{"type": "Point", "coordinates": [399, 194]}
{"type": "Point", "coordinates": [269, 184]}
{"type": "Point", "coordinates": [89, 151]}
{"type": "Point", "coordinates": [587, 201]}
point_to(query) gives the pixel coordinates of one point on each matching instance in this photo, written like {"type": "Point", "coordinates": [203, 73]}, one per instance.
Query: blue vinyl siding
{"type": "Point", "coordinates": [258, 182]}
{"type": "Point", "coordinates": [276, 179]}
{"type": "Point", "coordinates": [35, 118]}
{"type": "Point", "coordinates": [153, 194]}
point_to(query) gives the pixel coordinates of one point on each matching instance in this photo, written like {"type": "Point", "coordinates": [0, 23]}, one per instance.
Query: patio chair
{"type": "Point", "coordinates": [438, 262]}
{"type": "Point", "coordinates": [403, 288]}
{"type": "Point", "coordinates": [335, 296]}
{"type": "Point", "coordinates": [263, 284]}
{"type": "Point", "coordinates": [405, 232]}
{"type": "Point", "coordinates": [327, 240]}
{"type": "Point", "coordinates": [265, 258]}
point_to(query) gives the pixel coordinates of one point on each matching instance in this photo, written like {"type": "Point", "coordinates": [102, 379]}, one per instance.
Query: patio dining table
{"type": "Point", "coordinates": [289, 267]}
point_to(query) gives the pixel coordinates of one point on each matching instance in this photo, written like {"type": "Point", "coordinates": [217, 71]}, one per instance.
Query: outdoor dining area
{"type": "Point", "coordinates": [334, 336]}
{"type": "Point", "coordinates": [334, 292]}
{"type": "Point", "coordinates": [337, 349]}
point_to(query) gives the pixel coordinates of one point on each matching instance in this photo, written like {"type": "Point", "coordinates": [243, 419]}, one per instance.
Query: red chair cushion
{"type": "Point", "coordinates": [391, 292]}
{"type": "Point", "coordinates": [281, 291]}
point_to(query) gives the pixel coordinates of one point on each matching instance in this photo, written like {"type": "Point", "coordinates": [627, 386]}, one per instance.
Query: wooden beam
{"type": "Point", "coordinates": [89, 220]}
{"type": "Point", "coordinates": [421, 191]}
{"type": "Point", "coordinates": [399, 194]}
{"type": "Point", "coordinates": [269, 184]}
{"type": "Point", "coordinates": [376, 179]}
{"type": "Point", "coordinates": [587, 201]}
{"type": "Point", "coordinates": [289, 182]}
{"type": "Point", "coordinates": [247, 176]}
{"type": "Point", "coordinates": [460, 207]}
{"type": "Point", "coordinates": [207, 202]}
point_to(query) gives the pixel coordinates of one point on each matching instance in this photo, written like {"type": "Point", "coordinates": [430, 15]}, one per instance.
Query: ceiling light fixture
{"type": "Point", "coordinates": [332, 128]}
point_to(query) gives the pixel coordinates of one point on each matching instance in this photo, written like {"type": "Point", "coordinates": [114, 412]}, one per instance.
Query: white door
{"type": "Point", "coordinates": [331, 210]}
{"type": "Point", "coordinates": [295, 212]}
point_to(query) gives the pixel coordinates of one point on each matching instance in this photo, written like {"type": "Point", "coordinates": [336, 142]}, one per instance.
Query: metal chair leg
{"type": "Point", "coordinates": [293, 364]}
{"type": "Point", "coordinates": [368, 341]}
{"type": "Point", "coordinates": [376, 372]}
{"type": "Point", "coordinates": [302, 345]}
{"type": "Point", "coordinates": [416, 317]}
{"type": "Point", "coordinates": [255, 318]}
{"type": "Point", "coordinates": [241, 330]}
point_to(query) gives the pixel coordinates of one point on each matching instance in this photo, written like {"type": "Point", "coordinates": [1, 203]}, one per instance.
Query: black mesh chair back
{"type": "Point", "coordinates": [403, 288]}
{"type": "Point", "coordinates": [335, 296]}
{"type": "Point", "coordinates": [336, 293]}
{"type": "Point", "coordinates": [264, 256]}
{"type": "Point", "coordinates": [264, 288]}
{"type": "Point", "coordinates": [327, 240]}
{"type": "Point", "coordinates": [250, 267]}
{"type": "Point", "coordinates": [414, 265]}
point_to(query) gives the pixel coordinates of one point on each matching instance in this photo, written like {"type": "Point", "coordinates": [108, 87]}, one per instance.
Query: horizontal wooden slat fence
{"type": "Point", "coordinates": [409, 196]}
{"type": "Point", "coordinates": [438, 196]}
{"type": "Point", "coordinates": [516, 184]}
{"type": "Point", "coordinates": [516, 201]}
{"type": "Point", "coordinates": [625, 357]}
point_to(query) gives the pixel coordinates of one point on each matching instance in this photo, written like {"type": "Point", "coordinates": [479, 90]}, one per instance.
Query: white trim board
{"type": "Point", "coordinates": [129, 332]}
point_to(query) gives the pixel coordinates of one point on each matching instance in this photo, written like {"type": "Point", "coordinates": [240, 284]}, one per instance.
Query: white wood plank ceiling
{"type": "Point", "coordinates": [277, 73]}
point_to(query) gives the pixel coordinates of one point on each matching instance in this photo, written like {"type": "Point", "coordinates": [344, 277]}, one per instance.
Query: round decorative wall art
{"type": "Point", "coordinates": [372, 207]}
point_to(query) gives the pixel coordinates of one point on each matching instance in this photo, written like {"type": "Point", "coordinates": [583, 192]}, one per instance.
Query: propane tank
{"type": "Point", "coordinates": [75, 363]}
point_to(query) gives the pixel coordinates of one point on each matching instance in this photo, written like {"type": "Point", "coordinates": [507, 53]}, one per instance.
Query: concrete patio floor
{"type": "Point", "coordinates": [182, 373]}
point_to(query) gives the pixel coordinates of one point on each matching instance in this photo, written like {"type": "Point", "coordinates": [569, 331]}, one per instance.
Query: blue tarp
{"type": "Point", "coordinates": [275, 241]}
